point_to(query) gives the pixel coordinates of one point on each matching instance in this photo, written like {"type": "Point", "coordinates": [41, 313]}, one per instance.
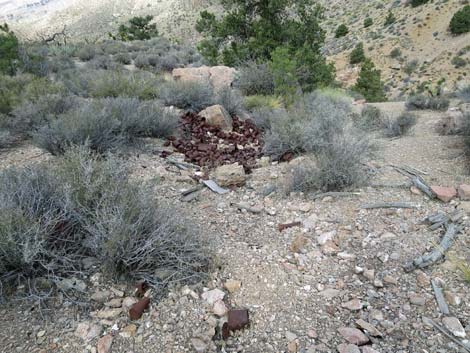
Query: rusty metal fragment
{"type": "Point", "coordinates": [237, 320]}
{"type": "Point", "coordinates": [281, 227]}
{"type": "Point", "coordinates": [136, 311]}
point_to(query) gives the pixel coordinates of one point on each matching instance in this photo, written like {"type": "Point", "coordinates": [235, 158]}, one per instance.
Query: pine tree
{"type": "Point", "coordinates": [357, 55]}
{"type": "Point", "coordinates": [341, 31]}
{"type": "Point", "coordinates": [390, 19]}
{"type": "Point", "coordinates": [369, 83]}
{"type": "Point", "coordinates": [139, 28]}
{"type": "Point", "coordinates": [9, 50]}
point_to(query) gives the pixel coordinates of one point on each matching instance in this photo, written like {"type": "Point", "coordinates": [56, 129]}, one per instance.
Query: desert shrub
{"type": "Point", "coordinates": [123, 58]}
{"type": "Point", "coordinates": [416, 3]}
{"type": "Point", "coordinates": [422, 102]}
{"type": "Point", "coordinates": [390, 19]}
{"type": "Point", "coordinates": [395, 53]}
{"type": "Point", "coordinates": [191, 96]}
{"type": "Point", "coordinates": [103, 62]}
{"type": "Point", "coordinates": [307, 126]}
{"type": "Point", "coordinates": [112, 47]}
{"type": "Point", "coordinates": [110, 83]}
{"type": "Point", "coordinates": [458, 61]}
{"type": "Point", "coordinates": [105, 125]}
{"type": "Point", "coordinates": [30, 115]}
{"type": "Point", "coordinates": [368, 22]}
{"type": "Point", "coordinates": [59, 63]}
{"type": "Point", "coordinates": [411, 67]}
{"type": "Point", "coordinates": [460, 22]}
{"type": "Point", "coordinates": [231, 100]}
{"type": "Point", "coordinates": [335, 167]}
{"type": "Point", "coordinates": [369, 83]}
{"type": "Point", "coordinates": [255, 79]}
{"type": "Point", "coordinates": [169, 62]}
{"type": "Point", "coordinates": [34, 59]}
{"type": "Point", "coordinates": [263, 116]}
{"type": "Point", "coordinates": [6, 139]}
{"type": "Point", "coordinates": [9, 47]}
{"type": "Point", "coordinates": [357, 54]}
{"type": "Point", "coordinates": [463, 93]}
{"type": "Point", "coordinates": [341, 31]}
{"type": "Point", "coordinates": [259, 102]}
{"type": "Point", "coordinates": [141, 61]}
{"type": "Point", "coordinates": [86, 53]}
{"type": "Point", "coordinates": [399, 126]}
{"type": "Point", "coordinates": [52, 216]}
{"type": "Point", "coordinates": [139, 28]}
{"type": "Point", "coordinates": [370, 118]}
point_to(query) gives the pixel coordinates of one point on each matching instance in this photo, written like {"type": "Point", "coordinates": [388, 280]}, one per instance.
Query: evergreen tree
{"type": "Point", "coordinates": [357, 55]}
{"type": "Point", "coordinates": [390, 19]}
{"type": "Point", "coordinates": [460, 22]}
{"type": "Point", "coordinates": [139, 28]}
{"type": "Point", "coordinates": [9, 50]}
{"type": "Point", "coordinates": [368, 22]}
{"type": "Point", "coordinates": [369, 84]}
{"type": "Point", "coordinates": [251, 30]}
{"type": "Point", "coordinates": [341, 31]}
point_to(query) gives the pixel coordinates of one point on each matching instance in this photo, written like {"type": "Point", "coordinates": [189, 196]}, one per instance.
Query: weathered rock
{"type": "Point", "coordinates": [213, 296]}
{"type": "Point", "coordinates": [219, 77]}
{"type": "Point", "coordinates": [114, 303]}
{"type": "Point", "coordinates": [422, 279]}
{"type": "Point", "coordinates": [369, 274]}
{"type": "Point", "coordinates": [417, 299]}
{"type": "Point", "coordinates": [326, 237]}
{"type": "Point", "coordinates": [452, 298]}
{"type": "Point", "coordinates": [293, 346]}
{"type": "Point", "coordinates": [368, 349]}
{"type": "Point", "coordinates": [453, 325]}
{"type": "Point", "coordinates": [88, 331]}
{"type": "Point", "coordinates": [230, 175]}
{"type": "Point", "coordinates": [109, 313]}
{"type": "Point", "coordinates": [353, 305]}
{"type": "Point", "coordinates": [299, 244]}
{"type": "Point", "coordinates": [128, 302]}
{"type": "Point", "coordinates": [371, 329]}
{"type": "Point", "coordinates": [101, 296]}
{"type": "Point", "coordinates": [444, 193]}
{"type": "Point", "coordinates": [216, 115]}
{"type": "Point", "coordinates": [199, 345]}
{"type": "Point", "coordinates": [232, 285]}
{"type": "Point", "coordinates": [353, 335]}
{"type": "Point", "coordinates": [128, 331]}
{"type": "Point", "coordinates": [330, 248]}
{"type": "Point", "coordinates": [464, 192]}
{"type": "Point", "coordinates": [348, 348]}
{"type": "Point", "coordinates": [104, 344]}
{"type": "Point", "coordinates": [330, 293]}
{"type": "Point", "coordinates": [219, 308]}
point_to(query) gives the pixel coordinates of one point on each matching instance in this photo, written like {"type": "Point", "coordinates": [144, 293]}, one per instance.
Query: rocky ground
{"type": "Point", "coordinates": [333, 283]}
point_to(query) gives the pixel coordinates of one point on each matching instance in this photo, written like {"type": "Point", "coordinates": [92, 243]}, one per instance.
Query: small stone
{"type": "Point", "coordinates": [117, 292]}
{"type": "Point", "coordinates": [453, 325]}
{"type": "Point", "coordinates": [199, 345]}
{"type": "Point", "coordinates": [292, 346]}
{"type": "Point", "coordinates": [230, 175]}
{"type": "Point", "coordinates": [330, 293]}
{"type": "Point", "coordinates": [452, 298]}
{"type": "Point", "coordinates": [414, 190]}
{"type": "Point", "coordinates": [443, 193]}
{"type": "Point", "coordinates": [346, 256]}
{"type": "Point", "coordinates": [368, 349]}
{"type": "Point", "coordinates": [104, 344]}
{"type": "Point", "coordinates": [353, 305]}
{"type": "Point", "coordinates": [41, 333]}
{"type": "Point", "coordinates": [312, 333]}
{"type": "Point", "coordinates": [464, 192]}
{"type": "Point", "coordinates": [302, 207]}
{"type": "Point", "coordinates": [329, 248]}
{"type": "Point", "coordinates": [358, 270]}
{"type": "Point", "coordinates": [390, 280]}
{"type": "Point", "coordinates": [388, 236]}
{"type": "Point", "coordinates": [290, 336]}
{"type": "Point", "coordinates": [128, 331]}
{"type": "Point", "coordinates": [416, 299]}
{"type": "Point", "coordinates": [422, 279]}
{"type": "Point", "coordinates": [326, 237]}
{"type": "Point", "coordinates": [299, 244]}
{"type": "Point", "coordinates": [353, 335]}
{"type": "Point", "coordinates": [219, 308]}
{"type": "Point", "coordinates": [128, 302]}
{"type": "Point", "coordinates": [114, 303]}
{"type": "Point", "coordinates": [369, 274]}
{"type": "Point", "coordinates": [232, 285]}
{"type": "Point", "coordinates": [212, 296]}
{"type": "Point", "coordinates": [348, 348]}
{"type": "Point", "coordinates": [376, 315]}
{"type": "Point", "coordinates": [109, 314]}
{"type": "Point", "coordinates": [378, 283]}
{"type": "Point", "coordinates": [371, 329]}
{"type": "Point", "coordinates": [101, 296]}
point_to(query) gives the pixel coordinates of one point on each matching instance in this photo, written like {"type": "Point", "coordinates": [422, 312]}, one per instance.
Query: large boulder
{"type": "Point", "coordinates": [219, 77]}
{"type": "Point", "coordinates": [216, 115]}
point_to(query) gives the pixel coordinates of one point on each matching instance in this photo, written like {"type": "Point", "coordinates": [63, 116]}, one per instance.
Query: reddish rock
{"type": "Point", "coordinates": [353, 335]}
{"type": "Point", "coordinates": [464, 192]}
{"type": "Point", "coordinates": [444, 193]}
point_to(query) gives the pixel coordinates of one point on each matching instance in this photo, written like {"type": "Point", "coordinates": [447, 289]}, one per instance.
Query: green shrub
{"type": "Point", "coordinates": [395, 53]}
{"type": "Point", "coordinates": [368, 22]}
{"type": "Point", "coordinates": [191, 96]}
{"type": "Point", "coordinates": [123, 58]}
{"type": "Point", "coordinates": [341, 31]}
{"type": "Point", "coordinates": [284, 71]}
{"type": "Point", "coordinates": [103, 62]}
{"type": "Point", "coordinates": [109, 83]}
{"type": "Point", "coordinates": [252, 30]}
{"type": "Point", "coordinates": [255, 79]}
{"type": "Point", "coordinates": [458, 61]}
{"type": "Point", "coordinates": [411, 67]}
{"type": "Point", "coordinates": [460, 22]}
{"type": "Point", "coordinates": [139, 28]}
{"type": "Point", "coordinates": [390, 19]}
{"type": "Point", "coordinates": [54, 216]}
{"type": "Point", "coordinates": [259, 101]}
{"type": "Point", "coordinates": [9, 50]}
{"type": "Point", "coordinates": [416, 3]}
{"type": "Point", "coordinates": [357, 54]}
{"type": "Point", "coordinates": [105, 125]}
{"type": "Point", "coordinates": [231, 100]}
{"type": "Point", "coordinates": [86, 53]}
{"type": "Point", "coordinates": [370, 119]}
{"type": "Point", "coordinates": [399, 126]}
{"type": "Point", "coordinates": [464, 93]}
{"type": "Point", "coordinates": [6, 139]}
{"type": "Point", "coordinates": [422, 102]}
{"type": "Point", "coordinates": [369, 83]}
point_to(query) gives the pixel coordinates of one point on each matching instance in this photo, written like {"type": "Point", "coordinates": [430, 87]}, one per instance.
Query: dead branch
{"type": "Point", "coordinates": [281, 227]}
{"type": "Point", "coordinates": [335, 194]}
{"type": "Point", "coordinates": [441, 302]}
{"type": "Point", "coordinates": [181, 165]}
{"type": "Point", "coordinates": [416, 179]}
{"type": "Point", "coordinates": [439, 251]}
{"type": "Point", "coordinates": [398, 186]}
{"type": "Point", "coordinates": [53, 38]}
{"type": "Point", "coordinates": [388, 205]}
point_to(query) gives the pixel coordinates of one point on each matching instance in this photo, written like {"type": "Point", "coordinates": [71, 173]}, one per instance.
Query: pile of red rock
{"type": "Point", "coordinates": [208, 145]}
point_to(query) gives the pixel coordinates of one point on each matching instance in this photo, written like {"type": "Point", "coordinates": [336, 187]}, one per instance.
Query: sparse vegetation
{"type": "Point", "coordinates": [256, 79]}
{"type": "Point", "coordinates": [259, 101]}
{"type": "Point", "coordinates": [368, 22]}
{"type": "Point", "coordinates": [52, 216]}
{"type": "Point", "coordinates": [416, 3]}
{"type": "Point", "coordinates": [370, 119]}
{"type": "Point", "coordinates": [395, 53]}
{"type": "Point", "coordinates": [357, 55]}
{"type": "Point", "coordinates": [421, 102]}
{"type": "Point", "coordinates": [341, 31]}
{"type": "Point", "coordinates": [460, 22]}
{"type": "Point", "coordinates": [399, 126]}
{"type": "Point", "coordinates": [192, 96]}
{"type": "Point", "coordinates": [390, 19]}
{"type": "Point", "coordinates": [464, 93]}
{"type": "Point", "coordinates": [458, 61]}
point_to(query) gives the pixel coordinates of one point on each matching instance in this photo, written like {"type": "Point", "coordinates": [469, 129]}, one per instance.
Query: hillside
{"type": "Point", "coordinates": [420, 33]}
